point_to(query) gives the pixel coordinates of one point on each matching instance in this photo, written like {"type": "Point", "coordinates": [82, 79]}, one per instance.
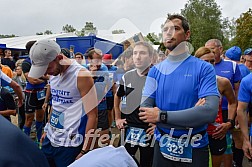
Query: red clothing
{"type": "Point", "coordinates": [212, 126]}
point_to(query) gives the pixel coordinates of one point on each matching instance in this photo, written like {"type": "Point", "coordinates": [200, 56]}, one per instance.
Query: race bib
{"type": "Point", "coordinates": [136, 136]}
{"type": "Point", "coordinates": [176, 149]}
{"type": "Point", "coordinates": [41, 94]}
{"type": "Point", "coordinates": [57, 120]}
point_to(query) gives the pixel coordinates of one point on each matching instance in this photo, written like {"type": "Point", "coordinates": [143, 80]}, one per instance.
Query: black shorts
{"type": "Point", "coordinates": [217, 146]}
{"type": "Point", "coordinates": [103, 122]}
{"type": "Point", "coordinates": [110, 102]}
{"type": "Point", "coordinates": [146, 152]}
{"type": "Point", "coordinates": [32, 103]}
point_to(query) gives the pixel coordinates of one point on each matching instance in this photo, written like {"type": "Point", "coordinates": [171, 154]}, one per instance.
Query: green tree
{"type": "Point", "coordinates": [118, 32]}
{"type": "Point", "coordinates": [155, 40]}
{"type": "Point", "coordinates": [7, 36]}
{"type": "Point", "coordinates": [154, 37]}
{"type": "Point", "coordinates": [68, 28]}
{"type": "Point", "coordinates": [87, 29]}
{"type": "Point", "coordinates": [39, 33]}
{"type": "Point", "coordinates": [232, 28]}
{"type": "Point", "coordinates": [80, 33]}
{"type": "Point", "coordinates": [48, 32]}
{"type": "Point", "coordinates": [229, 31]}
{"type": "Point", "coordinates": [244, 30]}
{"type": "Point", "coordinates": [205, 21]}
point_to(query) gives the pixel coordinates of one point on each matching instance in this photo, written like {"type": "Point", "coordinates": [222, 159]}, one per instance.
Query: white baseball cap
{"type": "Point", "coordinates": [42, 53]}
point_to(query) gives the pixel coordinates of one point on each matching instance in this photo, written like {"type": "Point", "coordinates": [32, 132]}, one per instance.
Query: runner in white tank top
{"type": "Point", "coordinates": [74, 104]}
{"type": "Point", "coordinates": [68, 119]}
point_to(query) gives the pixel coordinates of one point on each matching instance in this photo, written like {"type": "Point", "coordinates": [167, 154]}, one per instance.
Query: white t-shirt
{"type": "Point", "coordinates": [108, 156]}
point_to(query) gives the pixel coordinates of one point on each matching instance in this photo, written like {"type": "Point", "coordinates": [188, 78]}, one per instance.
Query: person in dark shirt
{"type": "Point", "coordinates": [7, 104]}
{"type": "Point", "coordinates": [130, 91]}
{"type": "Point", "coordinates": [18, 150]}
{"type": "Point", "coordinates": [8, 59]}
{"type": "Point", "coordinates": [34, 97]}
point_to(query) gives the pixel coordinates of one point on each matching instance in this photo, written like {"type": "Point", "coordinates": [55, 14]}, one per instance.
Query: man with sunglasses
{"type": "Point", "coordinates": [79, 58]}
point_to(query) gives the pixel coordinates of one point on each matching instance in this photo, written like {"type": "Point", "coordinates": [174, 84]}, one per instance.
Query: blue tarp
{"type": "Point", "coordinates": [2, 46]}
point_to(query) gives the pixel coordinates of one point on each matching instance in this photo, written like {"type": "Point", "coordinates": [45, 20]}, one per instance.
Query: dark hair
{"type": "Point", "coordinates": [185, 23]}
{"type": "Point", "coordinates": [78, 53]}
{"type": "Point", "coordinates": [92, 52]}
{"type": "Point", "coordinates": [66, 52]}
{"type": "Point", "coordinates": [29, 45]}
{"type": "Point", "coordinates": [88, 50]}
{"type": "Point", "coordinates": [6, 50]}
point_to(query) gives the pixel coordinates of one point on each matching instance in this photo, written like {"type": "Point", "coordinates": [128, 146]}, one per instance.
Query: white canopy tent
{"type": "Point", "coordinates": [20, 42]}
{"type": "Point", "coordinates": [117, 38]}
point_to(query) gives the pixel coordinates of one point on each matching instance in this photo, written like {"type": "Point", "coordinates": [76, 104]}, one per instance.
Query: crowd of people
{"type": "Point", "coordinates": [177, 109]}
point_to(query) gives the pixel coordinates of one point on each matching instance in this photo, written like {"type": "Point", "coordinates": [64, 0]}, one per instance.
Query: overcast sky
{"type": "Point", "coordinates": [26, 17]}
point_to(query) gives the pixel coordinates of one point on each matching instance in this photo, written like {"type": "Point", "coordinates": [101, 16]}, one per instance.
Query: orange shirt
{"type": "Point", "coordinates": [7, 71]}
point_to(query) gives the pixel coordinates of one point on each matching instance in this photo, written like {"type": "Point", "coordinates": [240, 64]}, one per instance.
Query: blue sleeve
{"type": "Point", "coordinates": [207, 85]}
{"type": "Point", "coordinates": [237, 74]}
{"type": "Point", "coordinates": [103, 67]}
{"type": "Point", "coordinates": [4, 83]}
{"type": "Point", "coordinates": [244, 94]}
{"type": "Point", "coordinates": [150, 86]}
{"type": "Point", "coordinates": [244, 70]}
{"type": "Point", "coordinates": [247, 72]}
{"type": "Point", "coordinates": [5, 80]}
{"type": "Point", "coordinates": [197, 115]}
